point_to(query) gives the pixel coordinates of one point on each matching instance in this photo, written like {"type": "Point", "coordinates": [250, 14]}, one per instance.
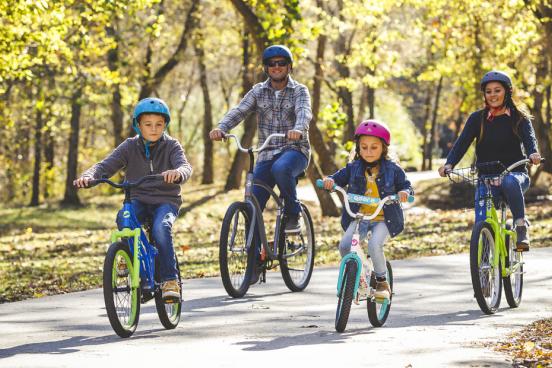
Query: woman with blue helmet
{"type": "Point", "coordinates": [151, 151]}
{"type": "Point", "coordinates": [503, 132]}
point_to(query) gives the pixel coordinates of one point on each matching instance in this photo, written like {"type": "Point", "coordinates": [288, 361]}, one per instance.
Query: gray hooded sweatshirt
{"type": "Point", "coordinates": [165, 154]}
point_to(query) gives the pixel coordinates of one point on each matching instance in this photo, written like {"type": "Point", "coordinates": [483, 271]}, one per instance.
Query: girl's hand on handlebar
{"type": "Point", "coordinates": [403, 196]}
{"type": "Point", "coordinates": [443, 170]}
{"type": "Point", "coordinates": [171, 176]}
{"type": "Point", "coordinates": [535, 158]}
{"type": "Point", "coordinates": [216, 134]}
{"type": "Point", "coordinates": [81, 182]}
{"type": "Point", "coordinates": [328, 183]}
{"type": "Point", "coordinates": [294, 135]}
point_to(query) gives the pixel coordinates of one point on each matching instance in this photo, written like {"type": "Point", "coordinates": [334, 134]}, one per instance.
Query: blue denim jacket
{"type": "Point", "coordinates": [391, 179]}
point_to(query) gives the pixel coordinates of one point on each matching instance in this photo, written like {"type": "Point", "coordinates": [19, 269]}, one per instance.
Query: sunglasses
{"type": "Point", "coordinates": [272, 64]}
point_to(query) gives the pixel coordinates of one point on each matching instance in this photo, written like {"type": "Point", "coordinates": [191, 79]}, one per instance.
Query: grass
{"type": "Point", "coordinates": [52, 250]}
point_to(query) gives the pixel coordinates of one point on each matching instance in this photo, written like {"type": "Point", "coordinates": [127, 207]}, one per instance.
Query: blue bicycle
{"type": "Point", "coordinates": [130, 272]}
{"type": "Point", "coordinates": [355, 267]}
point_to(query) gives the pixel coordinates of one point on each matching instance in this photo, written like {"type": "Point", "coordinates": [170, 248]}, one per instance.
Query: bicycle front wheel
{"type": "Point", "coordinates": [169, 313]}
{"type": "Point", "coordinates": [296, 254]}
{"type": "Point", "coordinates": [122, 302]}
{"type": "Point", "coordinates": [513, 284]}
{"type": "Point", "coordinates": [378, 312]}
{"type": "Point", "coordinates": [235, 260]}
{"type": "Point", "coordinates": [485, 268]}
{"type": "Point", "coordinates": [345, 297]}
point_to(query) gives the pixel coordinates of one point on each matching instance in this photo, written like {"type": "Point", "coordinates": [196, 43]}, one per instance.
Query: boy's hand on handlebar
{"type": "Point", "coordinates": [403, 196]}
{"type": "Point", "coordinates": [171, 176]}
{"type": "Point", "coordinates": [443, 170]}
{"type": "Point", "coordinates": [294, 135]}
{"type": "Point", "coordinates": [328, 183]}
{"type": "Point", "coordinates": [535, 158]}
{"type": "Point", "coordinates": [81, 182]}
{"type": "Point", "coordinates": [216, 134]}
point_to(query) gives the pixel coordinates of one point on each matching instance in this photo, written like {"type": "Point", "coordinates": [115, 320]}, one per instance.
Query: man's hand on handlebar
{"type": "Point", "coordinates": [294, 135]}
{"type": "Point", "coordinates": [82, 182]}
{"type": "Point", "coordinates": [535, 158]}
{"type": "Point", "coordinates": [328, 183]}
{"type": "Point", "coordinates": [171, 176]}
{"type": "Point", "coordinates": [216, 134]}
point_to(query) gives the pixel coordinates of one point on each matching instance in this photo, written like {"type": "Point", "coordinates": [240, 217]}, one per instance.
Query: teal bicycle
{"type": "Point", "coordinates": [355, 267]}
{"type": "Point", "coordinates": [493, 257]}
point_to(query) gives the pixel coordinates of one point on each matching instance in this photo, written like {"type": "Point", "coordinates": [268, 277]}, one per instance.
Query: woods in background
{"type": "Point", "coordinates": [71, 71]}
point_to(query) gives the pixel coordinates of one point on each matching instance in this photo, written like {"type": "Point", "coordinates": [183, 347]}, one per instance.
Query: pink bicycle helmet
{"type": "Point", "coordinates": [374, 128]}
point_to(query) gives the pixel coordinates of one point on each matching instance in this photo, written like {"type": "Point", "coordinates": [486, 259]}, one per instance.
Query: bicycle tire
{"type": "Point", "coordinates": [345, 297]}
{"type": "Point", "coordinates": [513, 284]}
{"type": "Point", "coordinates": [297, 269]}
{"type": "Point", "coordinates": [169, 313]}
{"type": "Point", "coordinates": [236, 275]}
{"type": "Point", "coordinates": [122, 303]}
{"type": "Point", "coordinates": [486, 279]}
{"type": "Point", "coordinates": [378, 312]}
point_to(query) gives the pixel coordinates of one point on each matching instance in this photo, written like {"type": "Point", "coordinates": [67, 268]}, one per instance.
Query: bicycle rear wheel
{"type": "Point", "coordinates": [513, 284]}
{"type": "Point", "coordinates": [486, 279]}
{"type": "Point", "coordinates": [122, 302]}
{"type": "Point", "coordinates": [296, 254]}
{"type": "Point", "coordinates": [345, 297]}
{"type": "Point", "coordinates": [378, 312]}
{"type": "Point", "coordinates": [169, 313]}
{"type": "Point", "coordinates": [235, 260]}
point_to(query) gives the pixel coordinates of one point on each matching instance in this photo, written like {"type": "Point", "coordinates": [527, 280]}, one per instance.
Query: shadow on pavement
{"type": "Point", "coordinates": [71, 345]}
{"type": "Point", "coordinates": [314, 338]}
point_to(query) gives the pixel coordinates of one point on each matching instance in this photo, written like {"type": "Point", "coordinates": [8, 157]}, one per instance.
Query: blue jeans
{"type": "Point", "coordinates": [512, 188]}
{"type": "Point", "coordinates": [282, 171]}
{"type": "Point", "coordinates": [163, 217]}
{"type": "Point", "coordinates": [380, 233]}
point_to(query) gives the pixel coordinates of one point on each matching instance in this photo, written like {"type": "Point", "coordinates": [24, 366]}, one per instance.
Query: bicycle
{"type": "Point", "coordinates": [243, 227]}
{"type": "Point", "coordinates": [355, 266]}
{"type": "Point", "coordinates": [493, 257]}
{"type": "Point", "coordinates": [130, 271]}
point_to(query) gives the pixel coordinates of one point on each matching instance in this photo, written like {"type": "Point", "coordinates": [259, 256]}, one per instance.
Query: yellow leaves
{"type": "Point", "coordinates": [528, 346]}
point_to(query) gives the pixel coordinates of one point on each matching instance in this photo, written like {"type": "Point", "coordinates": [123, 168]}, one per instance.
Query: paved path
{"type": "Point", "coordinates": [434, 321]}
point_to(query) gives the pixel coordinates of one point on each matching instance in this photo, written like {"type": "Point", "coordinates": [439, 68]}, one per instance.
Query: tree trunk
{"type": "Point", "coordinates": [154, 82]}
{"type": "Point", "coordinates": [234, 178]}
{"type": "Point", "coordinates": [424, 128]}
{"type": "Point", "coordinates": [434, 123]}
{"type": "Point", "coordinates": [37, 158]}
{"type": "Point", "coordinates": [327, 164]}
{"type": "Point", "coordinates": [116, 109]}
{"type": "Point", "coordinates": [49, 161]}
{"type": "Point", "coordinates": [207, 176]}
{"type": "Point", "coordinates": [71, 197]}
{"type": "Point", "coordinates": [542, 128]}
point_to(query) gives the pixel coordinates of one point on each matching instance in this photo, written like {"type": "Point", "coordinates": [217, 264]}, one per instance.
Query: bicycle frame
{"type": "Point", "coordinates": [499, 229]}
{"type": "Point", "coordinates": [251, 200]}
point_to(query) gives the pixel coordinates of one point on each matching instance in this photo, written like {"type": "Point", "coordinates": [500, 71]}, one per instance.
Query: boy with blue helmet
{"type": "Point", "coordinates": [151, 151]}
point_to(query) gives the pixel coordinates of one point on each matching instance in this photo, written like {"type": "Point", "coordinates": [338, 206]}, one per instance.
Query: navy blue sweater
{"type": "Point", "coordinates": [499, 142]}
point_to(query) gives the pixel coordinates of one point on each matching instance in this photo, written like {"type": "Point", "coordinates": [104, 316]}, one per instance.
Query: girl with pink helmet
{"type": "Point", "coordinates": [371, 173]}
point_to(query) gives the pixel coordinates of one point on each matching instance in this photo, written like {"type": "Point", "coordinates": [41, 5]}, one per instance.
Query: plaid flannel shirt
{"type": "Point", "coordinates": [291, 110]}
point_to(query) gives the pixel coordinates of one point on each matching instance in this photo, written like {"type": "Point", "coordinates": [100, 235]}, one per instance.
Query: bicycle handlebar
{"type": "Point", "coordinates": [360, 199]}
{"type": "Point", "coordinates": [506, 170]}
{"type": "Point", "coordinates": [124, 184]}
{"type": "Point", "coordinates": [262, 147]}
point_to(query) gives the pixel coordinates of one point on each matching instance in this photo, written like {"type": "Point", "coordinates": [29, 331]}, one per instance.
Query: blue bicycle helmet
{"type": "Point", "coordinates": [496, 76]}
{"type": "Point", "coordinates": [150, 105]}
{"type": "Point", "coordinates": [277, 50]}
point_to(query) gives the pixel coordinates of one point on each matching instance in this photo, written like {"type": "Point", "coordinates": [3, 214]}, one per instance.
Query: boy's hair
{"type": "Point", "coordinates": [151, 113]}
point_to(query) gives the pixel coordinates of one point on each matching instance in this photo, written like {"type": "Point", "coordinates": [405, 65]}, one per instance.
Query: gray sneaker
{"type": "Point", "coordinates": [522, 244]}
{"type": "Point", "coordinates": [293, 224]}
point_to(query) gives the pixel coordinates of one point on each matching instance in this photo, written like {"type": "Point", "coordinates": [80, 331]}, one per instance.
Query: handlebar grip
{"type": "Point", "coordinates": [93, 183]}
{"type": "Point", "coordinates": [410, 199]}
{"type": "Point", "coordinates": [320, 184]}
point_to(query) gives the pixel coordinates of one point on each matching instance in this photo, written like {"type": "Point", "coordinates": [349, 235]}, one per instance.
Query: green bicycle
{"type": "Point", "coordinates": [493, 257]}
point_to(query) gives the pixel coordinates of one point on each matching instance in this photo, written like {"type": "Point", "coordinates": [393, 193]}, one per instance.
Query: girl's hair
{"type": "Point", "coordinates": [384, 152]}
{"type": "Point", "coordinates": [517, 113]}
